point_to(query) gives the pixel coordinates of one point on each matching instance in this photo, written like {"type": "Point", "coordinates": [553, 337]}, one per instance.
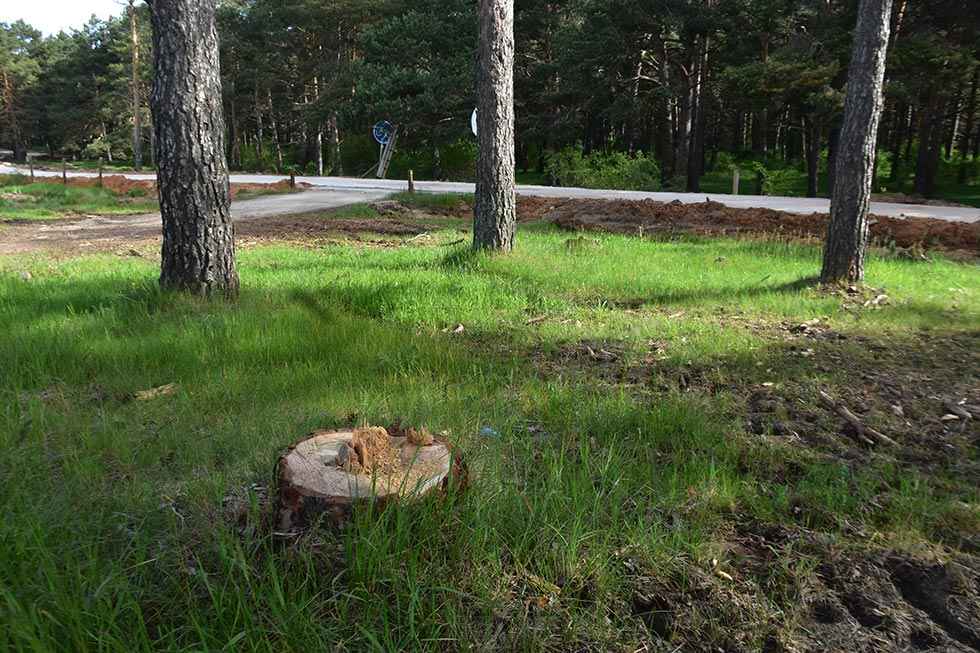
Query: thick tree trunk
{"type": "Point", "coordinates": [833, 143]}
{"type": "Point", "coordinates": [198, 236]}
{"type": "Point", "coordinates": [495, 212]}
{"type": "Point", "coordinates": [135, 89]}
{"type": "Point", "coordinates": [847, 236]}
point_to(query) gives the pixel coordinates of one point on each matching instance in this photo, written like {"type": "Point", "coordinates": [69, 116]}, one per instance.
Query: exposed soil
{"type": "Point", "coordinates": [647, 217]}
{"type": "Point", "coordinates": [796, 588]}
{"type": "Point", "coordinates": [311, 230]}
{"type": "Point", "coordinates": [902, 198]}
{"type": "Point", "coordinates": [122, 185]}
{"type": "Point", "coordinates": [922, 392]}
{"type": "Point", "coordinates": [93, 234]}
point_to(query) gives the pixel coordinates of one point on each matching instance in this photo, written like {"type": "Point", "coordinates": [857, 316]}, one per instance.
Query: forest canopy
{"type": "Point", "coordinates": [664, 90]}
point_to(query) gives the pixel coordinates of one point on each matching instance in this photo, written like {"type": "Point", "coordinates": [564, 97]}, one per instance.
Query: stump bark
{"type": "Point", "coordinates": [316, 482]}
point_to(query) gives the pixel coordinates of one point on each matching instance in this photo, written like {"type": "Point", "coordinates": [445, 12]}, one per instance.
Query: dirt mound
{"type": "Point", "coordinates": [278, 187]}
{"type": "Point", "coordinates": [313, 228]}
{"type": "Point", "coordinates": [902, 198]}
{"type": "Point", "coordinates": [642, 217]}
{"type": "Point", "coordinates": [121, 185]}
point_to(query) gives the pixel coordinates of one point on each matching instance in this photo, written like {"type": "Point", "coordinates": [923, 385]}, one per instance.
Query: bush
{"type": "Point", "coordinates": [778, 181]}
{"type": "Point", "coordinates": [617, 171]}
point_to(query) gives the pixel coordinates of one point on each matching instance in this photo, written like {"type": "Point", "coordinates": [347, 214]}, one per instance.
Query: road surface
{"type": "Point", "coordinates": [373, 186]}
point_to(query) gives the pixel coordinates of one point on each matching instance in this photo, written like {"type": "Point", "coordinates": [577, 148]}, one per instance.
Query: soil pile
{"type": "Point", "coordinates": [644, 217]}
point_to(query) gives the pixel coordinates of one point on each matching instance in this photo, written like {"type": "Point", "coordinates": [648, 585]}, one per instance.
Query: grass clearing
{"type": "Point", "coordinates": [20, 199]}
{"type": "Point", "coordinates": [594, 514]}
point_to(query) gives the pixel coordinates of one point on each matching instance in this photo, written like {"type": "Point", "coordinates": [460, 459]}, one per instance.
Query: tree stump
{"type": "Point", "coordinates": [324, 476]}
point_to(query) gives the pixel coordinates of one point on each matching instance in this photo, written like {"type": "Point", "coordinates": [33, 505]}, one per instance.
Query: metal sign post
{"type": "Point", "coordinates": [385, 134]}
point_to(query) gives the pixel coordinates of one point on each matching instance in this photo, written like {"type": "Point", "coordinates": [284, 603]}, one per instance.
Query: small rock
{"type": "Point", "coordinates": [26, 276]}
{"type": "Point", "coordinates": [898, 410]}
{"type": "Point", "coordinates": [949, 417]}
{"type": "Point", "coordinates": [489, 432]}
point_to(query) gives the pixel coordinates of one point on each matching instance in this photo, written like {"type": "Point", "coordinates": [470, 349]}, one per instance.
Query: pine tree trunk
{"type": "Point", "coordinates": [275, 130]}
{"type": "Point", "coordinates": [333, 137]}
{"type": "Point", "coordinates": [198, 236]}
{"type": "Point", "coordinates": [495, 212]}
{"type": "Point", "coordinates": [847, 236]}
{"type": "Point", "coordinates": [135, 90]}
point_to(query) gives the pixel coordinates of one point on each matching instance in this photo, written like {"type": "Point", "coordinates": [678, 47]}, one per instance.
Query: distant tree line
{"type": "Point", "coordinates": [687, 83]}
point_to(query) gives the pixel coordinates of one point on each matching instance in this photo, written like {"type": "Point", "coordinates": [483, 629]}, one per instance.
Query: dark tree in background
{"type": "Point", "coordinates": [198, 235]}
{"type": "Point", "coordinates": [495, 210]}
{"type": "Point", "coordinates": [847, 236]}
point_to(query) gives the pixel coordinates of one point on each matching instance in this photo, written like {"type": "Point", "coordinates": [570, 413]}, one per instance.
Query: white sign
{"type": "Point", "coordinates": [473, 122]}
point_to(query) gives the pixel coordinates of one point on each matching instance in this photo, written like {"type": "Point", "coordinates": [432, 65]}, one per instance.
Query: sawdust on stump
{"type": "Point", "coordinates": [326, 474]}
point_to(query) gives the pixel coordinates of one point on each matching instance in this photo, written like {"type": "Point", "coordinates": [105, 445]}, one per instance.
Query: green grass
{"type": "Point", "coordinates": [113, 535]}
{"type": "Point", "coordinates": [22, 200]}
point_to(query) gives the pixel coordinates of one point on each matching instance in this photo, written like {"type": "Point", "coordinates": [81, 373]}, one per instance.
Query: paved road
{"type": "Point", "coordinates": [788, 204]}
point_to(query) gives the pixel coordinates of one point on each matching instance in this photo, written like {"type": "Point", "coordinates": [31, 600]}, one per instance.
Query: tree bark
{"type": "Point", "coordinates": [333, 137]}
{"type": "Point", "coordinates": [275, 130]}
{"type": "Point", "coordinates": [495, 212]}
{"type": "Point", "coordinates": [135, 89]}
{"type": "Point", "coordinates": [847, 236]}
{"type": "Point", "coordinates": [198, 252]}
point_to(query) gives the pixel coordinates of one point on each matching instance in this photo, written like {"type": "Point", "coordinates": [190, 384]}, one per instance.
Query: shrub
{"type": "Point", "coordinates": [617, 170]}
{"type": "Point", "coordinates": [777, 181]}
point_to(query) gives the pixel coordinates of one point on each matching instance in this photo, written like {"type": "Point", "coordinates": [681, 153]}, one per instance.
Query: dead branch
{"type": "Point", "coordinates": [864, 434]}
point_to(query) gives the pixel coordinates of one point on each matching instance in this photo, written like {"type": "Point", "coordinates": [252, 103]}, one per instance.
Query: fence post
{"type": "Point", "coordinates": [64, 171]}
{"type": "Point", "coordinates": [411, 181]}
{"type": "Point", "coordinates": [30, 162]}
{"type": "Point", "coordinates": [292, 180]}
{"type": "Point", "coordinates": [100, 172]}
{"type": "Point", "coordinates": [735, 181]}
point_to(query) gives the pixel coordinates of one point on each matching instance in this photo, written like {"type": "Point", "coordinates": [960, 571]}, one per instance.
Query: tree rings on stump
{"type": "Point", "coordinates": [327, 473]}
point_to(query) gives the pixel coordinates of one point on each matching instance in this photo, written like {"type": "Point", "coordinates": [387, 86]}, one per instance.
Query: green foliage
{"type": "Point", "coordinates": [617, 170]}
{"type": "Point", "coordinates": [22, 200]}
{"type": "Point", "coordinates": [778, 180]}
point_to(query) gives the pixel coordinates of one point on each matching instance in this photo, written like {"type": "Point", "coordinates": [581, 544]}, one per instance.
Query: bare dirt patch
{"type": "Point", "coordinates": [647, 217]}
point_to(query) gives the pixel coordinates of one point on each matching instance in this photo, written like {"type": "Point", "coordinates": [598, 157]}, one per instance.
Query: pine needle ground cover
{"type": "Point", "coordinates": [651, 462]}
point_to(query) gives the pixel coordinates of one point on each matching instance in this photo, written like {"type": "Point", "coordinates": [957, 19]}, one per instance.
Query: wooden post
{"type": "Point", "coordinates": [411, 181]}
{"type": "Point", "coordinates": [100, 172]}
{"type": "Point", "coordinates": [64, 171]}
{"type": "Point", "coordinates": [30, 162]}
{"type": "Point", "coordinates": [292, 180]}
{"type": "Point", "coordinates": [735, 181]}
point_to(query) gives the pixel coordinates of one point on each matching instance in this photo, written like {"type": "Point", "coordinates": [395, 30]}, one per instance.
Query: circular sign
{"type": "Point", "coordinates": [473, 122]}
{"type": "Point", "coordinates": [382, 132]}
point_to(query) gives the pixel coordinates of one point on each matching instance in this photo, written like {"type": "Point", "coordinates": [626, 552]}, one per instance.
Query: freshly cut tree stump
{"type": "Point", "coordinates": [325, 475]}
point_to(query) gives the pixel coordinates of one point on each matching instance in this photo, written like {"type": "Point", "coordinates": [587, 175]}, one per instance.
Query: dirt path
{"type": "Point", "coordinates": [98, 231]}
